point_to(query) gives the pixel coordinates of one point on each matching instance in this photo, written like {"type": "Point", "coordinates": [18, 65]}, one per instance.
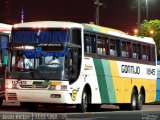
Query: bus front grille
{"type": "Point", "coordinates": [33, 86]}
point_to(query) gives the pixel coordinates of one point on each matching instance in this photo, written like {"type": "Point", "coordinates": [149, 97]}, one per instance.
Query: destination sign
{"type": "Point", "coordinates": [50, 45]}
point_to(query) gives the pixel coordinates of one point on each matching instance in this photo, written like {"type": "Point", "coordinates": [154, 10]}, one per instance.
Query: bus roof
{"type": "Point", "coordinates": [87, 27]}
{"type": "Point", "coordinates": [5, 28]}
{"type": "Point", "coordinates": [47, 24]}
{"type": "Point", "coordinates": [116, 33]}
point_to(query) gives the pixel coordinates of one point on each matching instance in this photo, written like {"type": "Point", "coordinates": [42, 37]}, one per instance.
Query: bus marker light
{"type": "Point", "coordinates": [63, 87]}
{"type": "Point", "coordinates": [11, 94]}
{"type": "Point", "coordinates": [55, 83]}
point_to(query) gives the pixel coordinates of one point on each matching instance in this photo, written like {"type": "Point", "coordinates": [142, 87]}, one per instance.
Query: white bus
{"type": "Point", "coordinates": [5, 31]}
{"type": "Point", "coordinates": [80, 64]}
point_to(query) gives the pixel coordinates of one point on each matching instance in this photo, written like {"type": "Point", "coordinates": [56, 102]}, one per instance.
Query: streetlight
{"type": "Point", "coordinates": [151, 32]}
{"type": "Point", "coordinates": [98, 4]}
{"type": "Point", "coordinates": [139, 17]}
{"type": "Point", "coordinates": [147, 9]}
{"type": "Point", "coordinates": [22, 13]}
{"type": "Point", "coordinates": [135, 31]}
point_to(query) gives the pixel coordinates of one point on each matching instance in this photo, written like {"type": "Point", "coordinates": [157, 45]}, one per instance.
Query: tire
{"type": "Point", "coordinates": [133, 103]}
{"type": "Point", "coordinates": [140, 100]}
{"type": "Point", "coordinates": [85, 101]}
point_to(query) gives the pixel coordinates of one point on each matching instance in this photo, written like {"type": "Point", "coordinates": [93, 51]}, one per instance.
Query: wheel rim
{"type": "Point", "coordinates": [140, 100]}
{"type": "Point", "coordinates": [133, 101]}
{"type": "Point", "coordinates": [84, 101]}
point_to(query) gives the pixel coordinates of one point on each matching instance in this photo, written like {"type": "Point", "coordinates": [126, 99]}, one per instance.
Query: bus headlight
{"type": "Point", "coordinates": [58, 87]}
{"type": "Point", "coordinates": [11, 86]}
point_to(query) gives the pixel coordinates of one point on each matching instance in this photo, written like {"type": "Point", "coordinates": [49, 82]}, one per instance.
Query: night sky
{"type": "Point", "coordinates": [116, 14]}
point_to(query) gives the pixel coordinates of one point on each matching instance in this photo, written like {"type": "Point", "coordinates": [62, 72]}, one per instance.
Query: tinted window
{"type": "Point", "coordinates": [76, 36]}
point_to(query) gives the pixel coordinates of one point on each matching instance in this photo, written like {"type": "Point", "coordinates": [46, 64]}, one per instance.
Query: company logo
{"type": "Point", "coordinates": [74, 94]}
{"type": "Point", "coordinates": [130, 69]}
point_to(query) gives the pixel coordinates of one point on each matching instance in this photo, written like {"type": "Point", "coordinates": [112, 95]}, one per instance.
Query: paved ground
{"type": "Point", "coordinates": [9, 111]}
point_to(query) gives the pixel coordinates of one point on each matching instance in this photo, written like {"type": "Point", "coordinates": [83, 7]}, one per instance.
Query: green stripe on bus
{"type": "Point", "coordinates": [109, 81]}
{"type": "Point", "coordinates": [101, 80]}
{"type": "Point", "coordinates": [105, 81]}
{"type": "Point", "coordinates": [89, 28]}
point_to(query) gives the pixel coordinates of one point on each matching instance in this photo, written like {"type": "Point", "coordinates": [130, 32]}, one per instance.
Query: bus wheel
{"type": "Point", "coordinates": [140, 99]}
{"type": "Point", "coordinates": [133, 103]}
{"type": "Point", "coordinates": [83, 107]}
{"type": "Point", "coordinates": [32, 107]}
{"type": "Point", "coordinates": [1, 101]}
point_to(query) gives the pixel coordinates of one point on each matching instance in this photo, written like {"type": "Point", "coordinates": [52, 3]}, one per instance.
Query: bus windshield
{"type": "Point", "coordinates": [41, 63]}
{"type": "Point", "coordinates": [38, 53]}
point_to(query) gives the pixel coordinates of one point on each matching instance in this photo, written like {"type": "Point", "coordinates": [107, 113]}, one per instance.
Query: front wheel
{"type": "Point", "coordinates": [85, 101]}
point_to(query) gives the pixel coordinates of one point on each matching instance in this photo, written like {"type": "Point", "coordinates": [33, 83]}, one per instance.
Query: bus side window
{"type": "Point", "coordinates": [118, 48]}
{"type": "Point", "coordinates": [123, 49]}
{"type": "Point", "coordinates": [113, 48]}
{"type": "Point", "coordinates": [134, 51]}
{"type": "Point", "coordinates": [105, 45]}
{"type": "Point", "coordinates": [102, 45]}
{"type": "Point", "coordinates": [129, 50]}
{"type": "Point", "coordinates": [144, 55]}
{"type": "Point", "coordinates": [139, 53]}
{"type": "Point", "coordinates": [89, 43]}
{"type": "Point", "coordinates": [149, 52]}
{"type": "Point", "coordinates": [93, 43]}
{"type": "Point", "coordinates": [153, 54]}
{"type": "Point", "coordinates": [99, 45]}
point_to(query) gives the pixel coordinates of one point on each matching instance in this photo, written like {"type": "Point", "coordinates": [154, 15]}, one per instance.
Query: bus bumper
{"type": "Point", "coordinates": [38, 96]}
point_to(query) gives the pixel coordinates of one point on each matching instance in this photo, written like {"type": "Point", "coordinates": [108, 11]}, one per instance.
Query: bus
{"type": "Point", "coordinates": [158, 82]}
{"type": "Point", "coordinates": [5, 31]}
{"type": "Point", "coordinates": [84, 65]}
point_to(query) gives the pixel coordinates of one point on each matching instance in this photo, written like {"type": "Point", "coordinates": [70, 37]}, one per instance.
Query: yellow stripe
{"type": "Point", "coordinates": [116, 81]}
{"type": "Point", "coordinates": [55, 83]}
{"type": "Point", "coordinates": [123, 86]}
{"type": "Point", "coordinates": [105, 29]}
